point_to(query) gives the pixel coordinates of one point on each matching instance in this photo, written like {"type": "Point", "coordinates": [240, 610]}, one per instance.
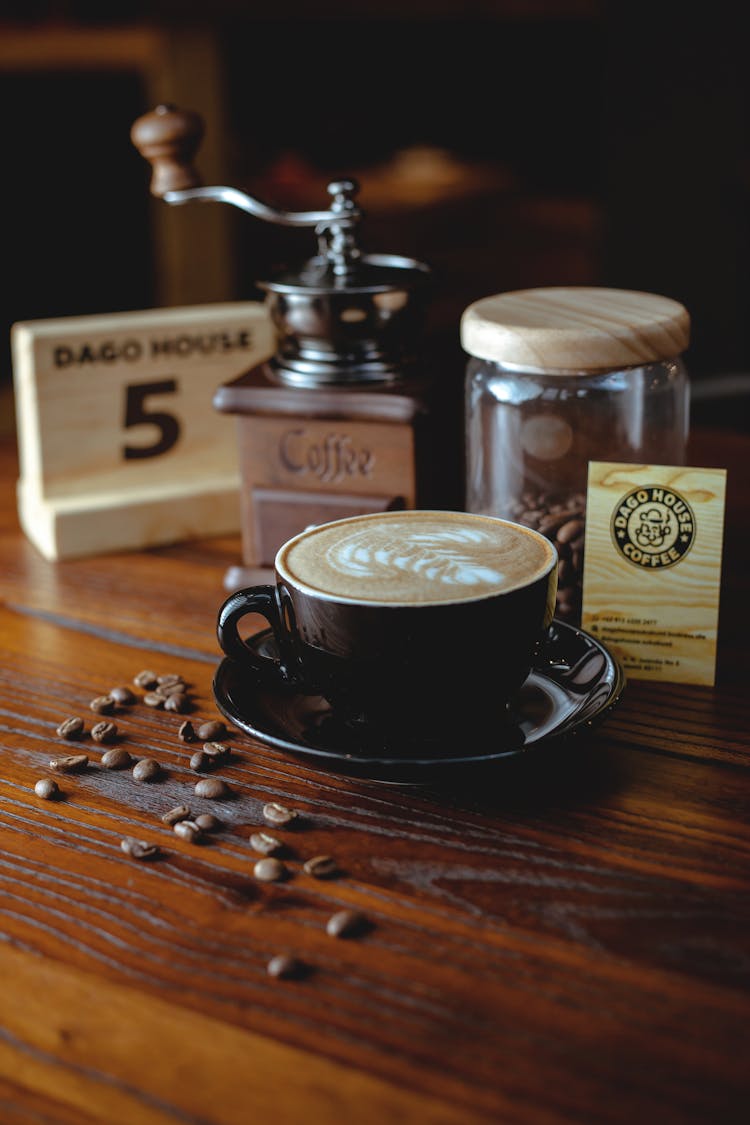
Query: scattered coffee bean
{"type": "Point", "coordinates": [200, 761]}
{"type": "Point", "coordinates": [207, 822]}
{"type": "Point", "coordinates": [71, 729]}
{"type": "Point", "coordinates": [103, 704]}
{"type": "Point", "coordinates": [70, 764]}
{"type": "Point", "coordinates": [138, 849]}
{"type": "Point", "coordinates": [346, 923]}
{"type": "Point", "coordinates": [212, 787]}
{"type": "Point", "coordinates": [269, 870]}
{"type": "Point", "coordinates": [212, 730]}
{"type": "Point", "coordinates": [116, 759]}
{"type": "Point", "coordinates": [278, 815]}
{"type": "Point", "coordinates": [104, 732]}
{"type": "Point", "coordinates": [179, 812]}
{"type": "Point", "coordinates": [171, 689]}
{"type": "Point", "coordinates": [265, 844]}
{"type": "Point", "coordinates": [188, 830]}
{"type": "Point", "coordinates": [146, 770]}
{"type": "Point", "coordinates": [153, 699]}
{"type": "Point", "coordinates": [285, 967]}
{"type": "Point", "coordinates": [122, 695]}
{"type": "Point", "coordinates": [46, 788]}
{"type": "Point", "coordinates": [186, 732]}
{"type": "Point", "coordinates": [216, 750]}
{"type": "Point", "coordinates": [178, 702]}
{"type": "Point", "coordinates": [169, 678]}
{"type": "Point", "coordinates": [145, 680]}
{"type": "Point", "coordinates": [321, 867]}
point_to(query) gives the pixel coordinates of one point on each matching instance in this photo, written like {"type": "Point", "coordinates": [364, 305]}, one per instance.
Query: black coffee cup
{"type": "Point", "coordinates": [410, 620]}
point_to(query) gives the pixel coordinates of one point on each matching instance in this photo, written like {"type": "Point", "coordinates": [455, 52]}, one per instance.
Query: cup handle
{"type": "Point", "coordinates": [262, 600]}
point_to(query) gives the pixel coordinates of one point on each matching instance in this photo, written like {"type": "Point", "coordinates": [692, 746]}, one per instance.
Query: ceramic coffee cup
{"type": "Point", "coordinates": [423, 619]}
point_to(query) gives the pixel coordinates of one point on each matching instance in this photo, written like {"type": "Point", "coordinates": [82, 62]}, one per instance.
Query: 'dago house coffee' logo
{"type": "Point", "coordinates": [653, 527]}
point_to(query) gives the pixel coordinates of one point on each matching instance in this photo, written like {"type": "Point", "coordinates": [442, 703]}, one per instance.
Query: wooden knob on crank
{"type": "Point", "coordinates": [168, 138]}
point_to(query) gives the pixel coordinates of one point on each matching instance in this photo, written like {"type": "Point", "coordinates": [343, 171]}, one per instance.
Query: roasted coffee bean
{"type": "Point", "coordinates": [570, 530]}
{"type": "Point", "coordinates": [72, 729]}
{"type": "Point", "coordinates": [153, 699]}
{"type": "Point", "coordinates": [207, 822]}
{"type": "Point", "coordinates": [70, 764]}
{"type": "Point", "coordinates": [103, 704]}
{"type": "Point", "coordinates": [186, 732]}
{"type": "Point", "coordinates": [565, 573]}
{"type": "Point", "coordinates": [321, 867]}
{"type": "Point", "coordinates": [116, 759]}
{"type": "Point", "coordinates": [216, 750]}
{"type": "Point", "coordinates": [166, 690]}
{"type": "Point", "coordinates": [265, 844]}
{"type": "Point", "coordinates": [188, 830]}
{"type": "Point", "coordinates": [138, 849]}
{"type": "Point", "coordinates": [122, 695]}
{"type": "Point", "coordinates": [269, 870]}
{"type": "Point", "coordinates": [278, 815]}
{"type": "Point", "coordinates": [212, 787]}
{"type": "Point", "coordinates": [551, 523]}
{"type": "Point", "coordinates": [179, 703]}
{"type": "Point", "coordinates": [284, 967]}
{"type": "Point", "coordinates": [104, 732]}
{"type": "Point", "coordinates": [211, 731]}
{"type": "Point", "coordinates": [346, 923]}
{"type": "Point", "coordinates": [200, 761]}
{"type": "Point", "coordinates": [46, 788]}
{"type": "Point", "coordinates": [168, 679]}
{"type": "Point", "coordinates": [179, 812]}
{"type": "Point", "coordinates": [145, 680]}
{"type": "Point", "coordinates": [146, 770]}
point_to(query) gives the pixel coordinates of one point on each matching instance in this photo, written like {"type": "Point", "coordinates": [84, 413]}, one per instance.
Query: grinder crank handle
{"type": "Point", "coordinates": [169, 138]}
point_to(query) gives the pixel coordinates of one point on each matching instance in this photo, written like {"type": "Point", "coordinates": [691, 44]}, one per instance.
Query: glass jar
{"type": "Point", "coordinates": [559, 377]}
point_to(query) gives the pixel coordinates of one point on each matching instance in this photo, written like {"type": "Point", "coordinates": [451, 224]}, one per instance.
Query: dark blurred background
{"type": "Point", "coordinates": [509, 144]}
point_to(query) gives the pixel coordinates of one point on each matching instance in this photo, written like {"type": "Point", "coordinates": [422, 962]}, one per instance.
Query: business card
{"type": "Point", "coordinates": [652, 567]}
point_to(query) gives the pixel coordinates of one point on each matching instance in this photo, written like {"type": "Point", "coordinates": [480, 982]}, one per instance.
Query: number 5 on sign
{"type": "Point", "coordinates": [119, 444]}
{"type": "Point", "coordinates": [136, 414]}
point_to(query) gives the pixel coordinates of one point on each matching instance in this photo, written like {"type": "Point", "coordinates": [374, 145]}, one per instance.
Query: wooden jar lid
{"type": "Point", "coordinates": [575, 329]}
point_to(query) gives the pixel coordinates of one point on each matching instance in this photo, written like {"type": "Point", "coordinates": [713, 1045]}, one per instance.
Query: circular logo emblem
{"type": "Point", "coordinates": [653, 527]}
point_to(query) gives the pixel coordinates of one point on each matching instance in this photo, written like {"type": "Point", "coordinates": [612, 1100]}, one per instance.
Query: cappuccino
{"type": "Point", "coordinates": [414, 557]}
{"type": "Point", "coordinates": [419, 622]}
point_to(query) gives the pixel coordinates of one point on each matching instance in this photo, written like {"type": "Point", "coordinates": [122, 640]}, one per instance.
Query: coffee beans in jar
{"type": "Point", "coordinates": [561, 519]}
{"type": "Point", "coordinates": [557, 378]}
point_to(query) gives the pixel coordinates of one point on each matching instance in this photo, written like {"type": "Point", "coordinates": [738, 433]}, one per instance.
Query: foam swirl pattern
{"type": "Point", "coordinates": [403, 558]}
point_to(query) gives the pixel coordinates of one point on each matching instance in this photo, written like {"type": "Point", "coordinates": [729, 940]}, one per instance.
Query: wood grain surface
{"type": "Point", "coordinates": [560, 941]}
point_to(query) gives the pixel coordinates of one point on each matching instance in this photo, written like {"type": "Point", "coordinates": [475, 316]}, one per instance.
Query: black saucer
{"type": "Point", "coordinates": [574, 683]}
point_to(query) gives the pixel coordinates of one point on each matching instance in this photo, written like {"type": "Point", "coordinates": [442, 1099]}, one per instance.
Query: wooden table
{"type": "Point", "coordinates": [567, 943]}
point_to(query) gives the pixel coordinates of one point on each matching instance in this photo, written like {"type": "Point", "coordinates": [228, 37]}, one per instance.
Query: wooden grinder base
{"type": "Point", "coordinates": [311, 455]}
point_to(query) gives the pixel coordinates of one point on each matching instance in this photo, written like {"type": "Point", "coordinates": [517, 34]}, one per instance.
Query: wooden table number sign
{"type": "Point", "coordinates": [119, 444]}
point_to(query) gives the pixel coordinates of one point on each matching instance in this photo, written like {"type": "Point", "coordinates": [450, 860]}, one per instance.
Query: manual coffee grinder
{"type": "Point", "coordinates": [342, 419]}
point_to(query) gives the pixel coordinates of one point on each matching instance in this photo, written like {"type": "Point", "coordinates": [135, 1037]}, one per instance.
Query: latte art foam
{"type": "Point", "coordinates": [434, 556]}
{"type": "Point", "coordinates": [415, 556]}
